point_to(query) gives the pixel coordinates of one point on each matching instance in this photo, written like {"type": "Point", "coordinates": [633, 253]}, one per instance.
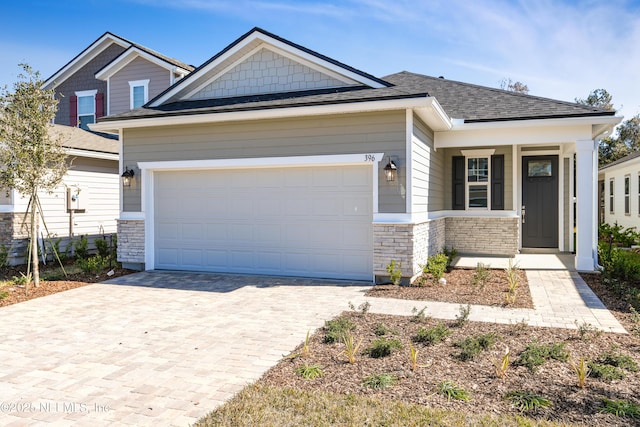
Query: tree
{"type": "Point", "coordinates": [510, 85]}
{"type": "Point", "coordinates": [32, 160]}
{"type": "Point", "coordinates": [599, 98]}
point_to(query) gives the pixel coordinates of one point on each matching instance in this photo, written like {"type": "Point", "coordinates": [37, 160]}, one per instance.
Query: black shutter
{"type": "Point", "coordinates": [458, 169]}
{"type": "Point", "coordinates": [497, 182]}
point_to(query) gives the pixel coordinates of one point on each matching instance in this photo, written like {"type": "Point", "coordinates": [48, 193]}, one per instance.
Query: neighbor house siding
{"type": "Point", "coordinates": [327, 135]}
{"type": "Point", "coordinates": [505, 150]}
{"type": "Point", "coordinates": [427, 174]}
{"type": "Point", "coordinates": [138, 69]}
{"type": "Point", "coordinates": [83, 79]}
{"type": "Point", "coordinates": [618, 172]}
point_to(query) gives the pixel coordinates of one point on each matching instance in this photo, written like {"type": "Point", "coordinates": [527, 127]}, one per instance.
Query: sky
{"type": "Point", "coordinates": [560, 49]}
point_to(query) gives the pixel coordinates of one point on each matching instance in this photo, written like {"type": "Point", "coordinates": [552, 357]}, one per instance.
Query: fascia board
{"type": "Point", "coordinates": [125, 59]}
{"type": "Point", "coordinates": [91, 154]}
{"type": "Point", "coordinates": [354, 107]}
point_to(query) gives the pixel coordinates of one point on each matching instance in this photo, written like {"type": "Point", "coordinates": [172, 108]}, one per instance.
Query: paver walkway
{"type": "Point", "coordinates": [166, 348]}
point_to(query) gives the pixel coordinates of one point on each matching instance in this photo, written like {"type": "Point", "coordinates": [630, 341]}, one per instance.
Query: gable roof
{"type": "Point", "coordinates": [624, 159]}
{"type": "Point", "coordinates": [246, 44]}
{"type": "Point", "coordinates": [135, 51]}
{"type": "Point", "coordinates": [99, 45]}
{"type": "Point", "coordinates": [85, 143]}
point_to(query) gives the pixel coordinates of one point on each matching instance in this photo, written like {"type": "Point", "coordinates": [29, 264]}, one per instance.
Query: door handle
{"type": "Point", "coordinates": [524, 213]}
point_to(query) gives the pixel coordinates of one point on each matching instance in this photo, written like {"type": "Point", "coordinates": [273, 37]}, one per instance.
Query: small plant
{"type": "Point", "coordinates": [481, 276]}
{"type": "Point", "coordinates": [57, 251]}
{"type": "Point", "coordinates": [395, 272]}
{"type": "Point", "coordinates": [436, 266]}
{"type": "Point", "coordinates": [581, 370]}
{"type": "Point", "coordinates": [606, 372]}
{"type": "Point", "coordinates": [620, 408]}
{"type": "Point", "coordinates": [351, 347]}
{"type": "Point", "coordinates": [451, 255]}
{"type": "Point", "coordinates": [336, 328]}
{"type": "Point", "coordinates": [618, 360]}
{"type": "Point", "coordinates": [413, 357]}
{"type": "Point", "coordinates": [527, 401]}
{"type": "Point", "coordinates": [4, 255]}
{"type": "Point", "coordinates": [309, 372]}
{"type": "Point", "coordinates": [470, 347]}
{"type": "Point", "coordinates": [3, 294]}
{"type": "Point", "coordinates": [586, 331]}
{"type": "Point", "coordinates": [306, 350]}
{"type": "Point", "coordinates": [82, 247]}
{"type": "Point", "coordinates": [382, 347]}
{"type": "Point", "coordinates": [513, 281]}
{"type": "Point", "coordinates": [418, 315]}
{"type": "Point", "coordinates": [519, 327]}
{"type": "Point", "coordinates": [452, 391]}
{"type": "Point", "coordinates": [93, 265]}
{"type": "Point", "coordinates": [381, 330]}
{"type": "Point", "coordinates": [535, 355]}
{"type": "Point", "coordinates": [502, 363]}
{"type": "Point", "coordinates": [432, 335]}
{"type": "Point", "coordinates": [379, 381]}
{"type": "Point", "coordinates": [463, 317]}
{"type": "Point", "coordinates": [23, 280]}
{"type": "Point", "coordinates": [635, 318]}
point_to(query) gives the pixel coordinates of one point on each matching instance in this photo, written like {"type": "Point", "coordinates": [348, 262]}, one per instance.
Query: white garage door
{"type": "Point", "coordinates": [311, 221]}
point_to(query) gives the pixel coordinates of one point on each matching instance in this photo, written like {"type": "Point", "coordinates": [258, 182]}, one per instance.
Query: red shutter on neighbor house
{"type": "Point", "coordinates": [99, 105]}
{"type": "Point", "coordinates": [73, 110]}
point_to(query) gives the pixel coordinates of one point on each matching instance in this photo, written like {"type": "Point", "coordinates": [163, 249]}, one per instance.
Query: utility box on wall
{"type": "Point", "coordinates": [77, 199]}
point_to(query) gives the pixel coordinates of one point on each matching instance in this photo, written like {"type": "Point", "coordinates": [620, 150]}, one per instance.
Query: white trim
{"type": "Point", "coordinates": [409, 161]}
{"type": "Point", "coordinates": [514, 180]}
{"type": "Point", "coordinates": [92, 92]}
{"type": "Point", "coordinates": [302, 61]}
{"type": "Point", "coordinates": [120, 170]}
{"type": "Point", "coordinates": [572, 201]}
{"type": "Point", "coordinates": [257, 35]}
{"type": "Point", "coordinates": [478, 153]}
{"type": "Point", "coordinates": [7, 208]}
{"type": "Point", "coordinates": [91, 154]}
{"type": "Point", "coordinates": [127, 57]}
{"type": "Point", "coordinates": [131, 216]}
{"type": "Point", "coordinates": [561, 199]}
{"type": "Point", "coordinates": [108, 96]}
{"type": "Point", "coordinates": [148, 170]}
{"type": "Point", "coordinates": [402, 218]}
{"type": "Point", "coordinates": [419, 103]}
{"type": "Point", "coordinates": [566, 121]}
{"type": "Point", "coordinates": [137, 83]}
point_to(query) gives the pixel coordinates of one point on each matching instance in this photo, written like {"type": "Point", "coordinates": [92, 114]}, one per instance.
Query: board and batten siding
{"type": "Point", "coordinates": [99, 180]}
{"type": "Point", "coordinates": [428, 170]}
{"type": "Point", "coordinates": [448, 155]}
{"type": "Point", "coordinates": [304, 136]}
{"type": "Point", "coordinates": [138, 69]}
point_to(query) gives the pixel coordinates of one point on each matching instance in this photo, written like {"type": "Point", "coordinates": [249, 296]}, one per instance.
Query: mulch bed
{"type": "Point", "coordinates": [555, 380]}
{"type": "Point", "coordinates": [460, 289]}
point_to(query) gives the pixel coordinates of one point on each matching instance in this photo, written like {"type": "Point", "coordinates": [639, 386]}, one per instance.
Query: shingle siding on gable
{"type": "Point", "coordinates": [83, 79]}
{"type": "Point", "coordinates": [266, 72]}
{"type": "Point", "coordinates": [138, 69]}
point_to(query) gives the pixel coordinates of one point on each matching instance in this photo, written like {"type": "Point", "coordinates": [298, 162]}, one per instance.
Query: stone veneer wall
{"type": "Point", "coordinates": [13, 236]}
{"type": "Point", "coordinates": [483, 235]}
{"type": "Point", "coordinates": [409, 244]}
{"type": "Point", "coordinates": [131, 241]}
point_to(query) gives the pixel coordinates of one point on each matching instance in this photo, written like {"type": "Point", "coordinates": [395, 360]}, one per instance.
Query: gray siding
{"type": "Point", "coordinates": [449, 153]}
{"type": "Point", "coordinates": [84, 79]}
{"type": "Point", "coordinates": [326, 135]}
{"type": "Point", "coordinates": [428, 170]}
{"type": "Point", "coordinates": [138, 69]}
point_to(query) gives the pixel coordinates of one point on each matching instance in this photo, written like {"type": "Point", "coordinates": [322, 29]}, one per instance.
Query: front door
{"type": "Point", "coordinates": [540, 202]}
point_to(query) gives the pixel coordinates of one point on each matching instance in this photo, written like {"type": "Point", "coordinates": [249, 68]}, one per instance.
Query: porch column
{"type": "Point", "coordinates": [586, 180]}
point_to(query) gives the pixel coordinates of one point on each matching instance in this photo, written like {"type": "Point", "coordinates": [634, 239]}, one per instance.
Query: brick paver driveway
{"type": "Point", "coordinates": [153, 348]}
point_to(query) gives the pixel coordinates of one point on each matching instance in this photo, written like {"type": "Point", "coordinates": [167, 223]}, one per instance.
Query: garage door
{"type": "Point", "coordinates": [312, 221]}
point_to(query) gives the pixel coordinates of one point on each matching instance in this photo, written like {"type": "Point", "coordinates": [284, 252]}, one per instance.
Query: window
{"type": "Point", "coordinates": [138, 93]}
{"type": "Point", "coordinates": [478, 182]}
{"type": "Point", "coordinates": [627, 193]}
{"type": "Point", "coordinates": [86, 108]}
{"type": "Point", "coordinates": [611, 199]}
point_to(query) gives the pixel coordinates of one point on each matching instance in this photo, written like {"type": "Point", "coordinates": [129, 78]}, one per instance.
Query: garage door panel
{"type": "Point", "coordinates": [310, 221]}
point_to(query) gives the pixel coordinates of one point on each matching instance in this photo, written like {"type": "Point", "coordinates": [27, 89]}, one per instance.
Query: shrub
{"type": "Point", "coordinates": [619, 360]}
{"type": "Point", "coordinates": [535, 355]}
{"type": "Point", "coordinates": [82, 247]}
{"type": "Point", "coordinates": [620, 408]}
{"type": "Point", "coordinates": [4, 255]}
{"type": "Point", "coordinates": [452, 391]}
{"type": "Point", "coordinates": [309, 372]}
{"type": "Point", "coordinates": [395, 272]}
{"type": "Point", "coordinates": [618, 234]}
{"type": "Point", "coordinates": [451, 255]}
{"type": "Point", "coordinates": [463, 317]}
{"type": "Point", "coordinates": [436, 266]}
{"type": "Point", "coordinates": [470, 347]}
{"type": "Point", "coordinates": [382, 347]}
{"type": "Point", "coordinates": [527, 401]}
{"type": "Point", "coordinates": [381, 330]}
{"type": "Point", "coordinates": [432, 335]}
{"type": "Point", "coordinates": [93, 265]}
{"type": "Point", "coordinates": [336, 328]}
{"type": "Point", "coordinates": [481, 275]}
{"type": "Point", "coordinates": [418, 315]}
{"type": "Point", "coordinates": [103, 247]}
{"type": "Point", "coordinates": [606, 372]}
{"type": "Point", "coordinates": [379, 381]}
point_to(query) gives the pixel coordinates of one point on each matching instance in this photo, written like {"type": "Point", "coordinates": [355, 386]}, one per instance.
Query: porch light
{"type": "Point", "coordinates": [390, 171]}
{"type": "Point", "coordinates": [127, 177]}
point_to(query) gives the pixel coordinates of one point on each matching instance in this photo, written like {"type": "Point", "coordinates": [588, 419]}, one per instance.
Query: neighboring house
{"type": "Point", "coordinates": [85, 202]}
{"type": "Point", "coordinates": [271, 158]}
{"type": "Point", "coordinates": [619, 192]}
{"type": "Point", "coordinates": [111, 76]}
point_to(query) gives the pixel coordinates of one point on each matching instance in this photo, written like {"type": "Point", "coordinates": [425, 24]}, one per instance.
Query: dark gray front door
{"type": "Point", "coordinates": [540, 202]}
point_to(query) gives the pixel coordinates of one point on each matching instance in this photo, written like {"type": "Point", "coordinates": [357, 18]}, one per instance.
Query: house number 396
{"type": "Point", "coordinates": [369, 158]}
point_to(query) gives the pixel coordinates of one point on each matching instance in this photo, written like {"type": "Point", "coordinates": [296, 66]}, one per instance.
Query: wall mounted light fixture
{"type": "Point", "coordinates": [391, 171]}
{"type": "Point", "coordinates": [127, 176]}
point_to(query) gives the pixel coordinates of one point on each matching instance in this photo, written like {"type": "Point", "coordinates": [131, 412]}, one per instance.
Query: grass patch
{"type": "Point", "coordinates": [535, 355]}
{"type": "Point", "coordinates": [433, 335]}
{"type": "Point", "coordinates": [383, 347]}
{"type": "Point", "coordinates": [452, 391]}
{"type": "Point", "coordinates": [273, 406]}
{"type": "Point", "coordinates": [470, 347]}
{"type": "Point", "coordinates": [527, 401]}
{"type": "Point", "coordinates": [336, 328]}
{"type": "Point", "coordinates": [620, 408]}
{"type": "Point", "coordinates": [309, 372]}
{"type": "Point", "coordinates": [379, 381]}
{"type": "Point", "coordinates": [605, 372]}
{"type": "Point", "coordinates": [617, 359]}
